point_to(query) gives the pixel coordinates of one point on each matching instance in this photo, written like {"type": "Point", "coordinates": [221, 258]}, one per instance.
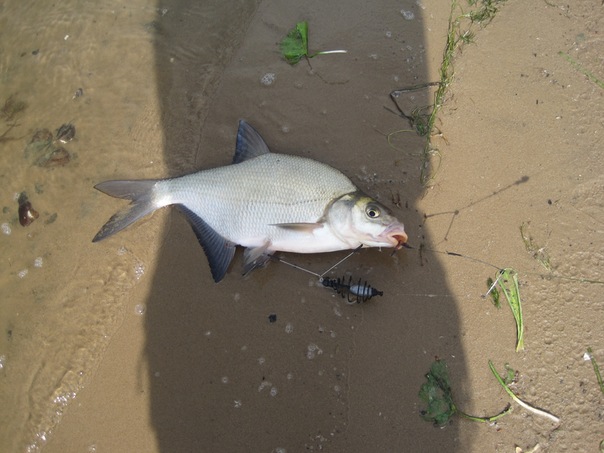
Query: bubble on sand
{"type": "Point", "coordinates": [22, 273]}
{"type": "Point", "coordinates": [38, 262]}
{"type": "Point", "coordinates": [237, 404]}
{"type": "Point", "coordinates": [140, 309]}
{"type": "Point", "coordinates": [408, 15]}
{"type": "Point", "coordinates": [2, 361]}
{"type": "Point", "coordinates": [139, 270]}
{"type": "Point", "coordinates": [6, 229]}
{"type": "Point", "coordinates": [268, 79]}
{"type": "Point", "coordinates": [289, 327]}
{"type": "Point", "coordinates": [224, 379]}
{"type": "Point", "coordinates": [274, 391]}
{"type": "Point", "coordinates": [264, 385]}
{"type": "Point", "coordinates": [312, 351]}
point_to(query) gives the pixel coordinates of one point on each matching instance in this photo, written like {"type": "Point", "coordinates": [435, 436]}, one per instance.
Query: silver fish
{"type": "Point", "coordinates": [265, 202]}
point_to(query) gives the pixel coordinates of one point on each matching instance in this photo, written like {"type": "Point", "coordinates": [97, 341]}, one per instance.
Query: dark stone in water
{"type": "Point", "coordinates": [66, 133]}
{"type": "Point", "coordinates": [27, 214]}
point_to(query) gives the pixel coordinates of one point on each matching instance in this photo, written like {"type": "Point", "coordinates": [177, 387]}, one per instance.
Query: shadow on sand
{"type": "Point", "coordinates": [325, 374]}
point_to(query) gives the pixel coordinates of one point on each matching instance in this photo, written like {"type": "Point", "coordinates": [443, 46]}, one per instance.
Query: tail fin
{"type": "Point", "coordinates": [141, 195]}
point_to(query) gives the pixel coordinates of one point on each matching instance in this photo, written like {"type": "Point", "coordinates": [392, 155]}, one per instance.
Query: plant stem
{"type": "Point", "coordinates": [527, 406]}
{"type": "Point", "coordinates": [326, 52]}
{"type": "Point", "coordinates": [490, 419]}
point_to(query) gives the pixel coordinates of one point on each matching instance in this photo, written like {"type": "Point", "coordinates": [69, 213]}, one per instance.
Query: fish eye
{"type": "Point", "coordinates": [372, 211]}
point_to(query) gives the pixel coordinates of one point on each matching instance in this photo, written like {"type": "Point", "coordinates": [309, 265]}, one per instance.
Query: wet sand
{"type": "Point", "coordinates": [128, 345]}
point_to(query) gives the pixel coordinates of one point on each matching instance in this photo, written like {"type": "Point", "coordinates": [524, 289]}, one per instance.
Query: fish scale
{"type": "Point", "coordinates": [267, 190]}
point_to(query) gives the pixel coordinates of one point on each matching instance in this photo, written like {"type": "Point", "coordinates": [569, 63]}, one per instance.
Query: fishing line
{"type": "Point", "coordinates": [361, 292]}
{"type": "Point", "coordinates": [355, 293]}
{"type": "Point", "coordinates": [501, 269]}
{"type": "Point", "coordinates": [422, 248]}
{"type": "Point", "coordinates": [320, 276]}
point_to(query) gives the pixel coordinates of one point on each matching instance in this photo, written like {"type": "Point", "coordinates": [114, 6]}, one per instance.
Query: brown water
{"type": "Point", "coordinates": [128, 345]}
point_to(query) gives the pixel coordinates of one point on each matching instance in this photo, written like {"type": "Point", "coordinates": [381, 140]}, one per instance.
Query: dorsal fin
{"type": "Point", "coordinates": [249, 143]}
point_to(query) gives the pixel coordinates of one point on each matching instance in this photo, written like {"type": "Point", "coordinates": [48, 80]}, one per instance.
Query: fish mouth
{"type": "Point", "coordinates": [395, 234]}
{"type": "Point", "coordinates": [401, 240]}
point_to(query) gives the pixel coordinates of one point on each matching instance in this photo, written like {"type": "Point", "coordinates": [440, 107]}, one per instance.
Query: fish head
{"type": "Point", "coordinates": [358, 219]}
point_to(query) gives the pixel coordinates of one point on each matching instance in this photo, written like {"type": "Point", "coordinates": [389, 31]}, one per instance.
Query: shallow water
{"type": "Point", "coordinates": [62, 298]}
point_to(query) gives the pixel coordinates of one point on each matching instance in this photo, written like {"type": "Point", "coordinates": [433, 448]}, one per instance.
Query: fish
{"type": "Point", "coordinates": [264, 202]}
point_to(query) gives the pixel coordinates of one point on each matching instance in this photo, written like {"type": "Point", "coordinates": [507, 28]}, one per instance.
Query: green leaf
{"type": "Point", "coordinates": [436, 394]}
{"type": "Point", "coordinates": [295, 45]}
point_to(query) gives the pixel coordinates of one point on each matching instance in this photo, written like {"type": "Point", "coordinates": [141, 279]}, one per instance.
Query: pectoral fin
{"type": "Point", "coordinates": [219, 251]}
{"type": "Point", "coordinates": [254, 258]}
{"type": "Point", "coordinates": [303, 227]}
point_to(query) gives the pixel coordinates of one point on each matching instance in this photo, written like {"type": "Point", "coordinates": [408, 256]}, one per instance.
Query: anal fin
{"type": "Point", "coordinates": [218, 250]}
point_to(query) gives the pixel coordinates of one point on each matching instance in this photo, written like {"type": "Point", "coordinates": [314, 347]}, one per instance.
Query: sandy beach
{"type": "Point", "coordinates": [128, 345]}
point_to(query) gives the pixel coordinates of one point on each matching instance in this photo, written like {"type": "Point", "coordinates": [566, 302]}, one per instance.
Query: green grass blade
{"type": "Point", "coordinates": [596, 369]}
{"type": "Point", "coordinates": [509, 286]}
{"type": "Point", "coordinates": [582, 70]}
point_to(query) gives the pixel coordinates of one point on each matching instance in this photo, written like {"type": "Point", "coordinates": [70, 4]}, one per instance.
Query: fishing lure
{"type": "Point", "coordinates": [355, 293]}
